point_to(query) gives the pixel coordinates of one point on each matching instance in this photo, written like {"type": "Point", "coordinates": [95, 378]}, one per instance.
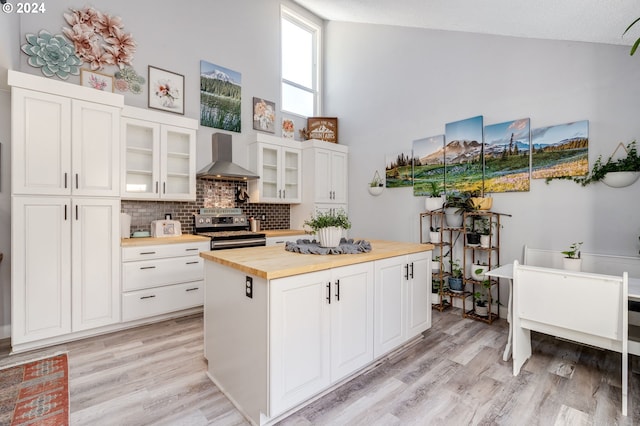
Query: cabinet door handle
{"type": "Point", "coordinates": [148, 297]}
{"type": "Point", "coordinates": [147, 267]}
{"type": "Point", "coordinates": [148, 252]}
{"type": "Point", "coordinates": [65, 180]}
{"type": "Point", "coordinates": [284, 193]}
{"type": "Point", "coordinates": [411, 270]}
{"type": "Point", "coordinates": [76, 181]}
{"type": "Point", "coordinates": [65, 212]}
{"type": "Point", "coordinates": [338, 290]}
{"type": "Point", "coordinates": [76, 212]}
{"type": "Point", "coordinates": [195, 262]}
{"type": "Point", "coordinates": [406, 271]}
{"type": "Point", "coordinates": [164, 187]}
{"type": "Point", "coordinates": [329, 292]}
{"type": "Point", "coordinates": [193, 289]}
{"type": "Point", "coordinates": [191, 249]}
{"type": "Point", "coordinates": [156, 187]}
{"type": "Point", "coordinates": [279, 193]}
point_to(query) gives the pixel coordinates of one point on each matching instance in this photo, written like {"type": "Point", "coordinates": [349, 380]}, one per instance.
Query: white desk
{"type": "Point", "coordinates": [506, 272]}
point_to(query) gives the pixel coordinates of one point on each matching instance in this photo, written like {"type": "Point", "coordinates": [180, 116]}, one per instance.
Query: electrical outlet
{"type": "Point", "coordinates": [263, 217]}
{"type": "Point", "coordinates": [249, 287]}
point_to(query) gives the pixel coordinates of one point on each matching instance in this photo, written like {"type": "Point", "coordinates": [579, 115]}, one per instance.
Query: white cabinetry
{"type": "Point", "coordinates": [158, 155]}
{"type": "Point", "coordinates": [65, 266]}
{"type": "Point", "coordinates": [325, 180]}
{"type": "Point", "coordinates": [65, 209]}
{"type": "Point", "coordinates": [278, 163]}
{"type": "Point", "coordinates": [274, 241]}
{"type": "Point", "coordinates": [158, 279]}
{"type": "Point", "coordinates": [321, 331]}
{"type": "Point", "coordinates": [64, 146]}
{"type": "Point", "coordinates": [403, 300]}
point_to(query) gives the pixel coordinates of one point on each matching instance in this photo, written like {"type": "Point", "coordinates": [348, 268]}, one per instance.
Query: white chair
{"type": "Point", "coordinates": [579, 306]}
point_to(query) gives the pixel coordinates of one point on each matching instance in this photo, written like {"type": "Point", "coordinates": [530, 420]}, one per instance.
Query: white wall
{"type": "Point", "coordinates": [242, 35]}
{"type": "Point", "coordinates": [390, 86]}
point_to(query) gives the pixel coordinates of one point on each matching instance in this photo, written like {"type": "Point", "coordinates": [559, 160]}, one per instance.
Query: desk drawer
{"type": "Point", "coordinates": [159, 272]}
{"type": "Point", "coordinates": [161, 300]}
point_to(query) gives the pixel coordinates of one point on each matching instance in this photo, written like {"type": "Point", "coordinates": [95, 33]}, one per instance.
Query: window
{"type": "Point", "coordinates": [300, 47]}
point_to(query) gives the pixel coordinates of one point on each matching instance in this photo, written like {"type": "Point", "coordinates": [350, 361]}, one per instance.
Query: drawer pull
{"type": "Point", "coordinates": [147, 267]}
{"type": "Point", "coordinates": [148, 297]}
{"type": "Point", "coordinates": [193, 289]}
{"type": "Point", "coordinates": [193, 263]}
{"type": "Point", "coordinates": [147, 252]}
{"type": "Point", "coordinates": [191, 249]}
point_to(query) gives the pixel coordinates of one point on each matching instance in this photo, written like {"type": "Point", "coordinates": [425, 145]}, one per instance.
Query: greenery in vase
{"type": "Point", "coordinates": [631, 163]}
{"type": "Point", "coordinates": [574, 251]}
{"type": "Point", "coordinates": [327, 219]}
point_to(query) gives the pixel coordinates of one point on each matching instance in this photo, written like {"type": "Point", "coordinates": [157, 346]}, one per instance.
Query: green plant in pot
{"type": "Point", "coordinates": [455, 280]}
{"type": "Point", "coordinates": [572, 260]}
{"type": "Point", "coordinates": [481, 304]}
{"type": "Point", "coordinates": [328, 225]}
{"type": "Point", "coordinates": [435, 200]}
{"type": "Point", "coordinates": [455, 205]}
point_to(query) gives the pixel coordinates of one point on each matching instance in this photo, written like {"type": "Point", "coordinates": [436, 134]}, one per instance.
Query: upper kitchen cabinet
{"type": "Point", "coordinates": [65, 138]}
{"type": "Point", "coordinates": [277, 161]}
{"type": "Point", "coordinates": [158, 155]}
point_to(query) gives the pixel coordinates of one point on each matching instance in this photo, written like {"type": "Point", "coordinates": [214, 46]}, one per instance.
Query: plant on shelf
{"type": "Point", "coordinates": [329, 225]}
{"type": "Point", "coordinates": [600, 170]}
{"type": "Point", "coordinates": [435, 200]}
{"type": "Point", "coordinates": [478, 270]}
{"type": "Point", "coordinates": [455, 205]}
{"type": "Point", "coordinates": [455, 280]}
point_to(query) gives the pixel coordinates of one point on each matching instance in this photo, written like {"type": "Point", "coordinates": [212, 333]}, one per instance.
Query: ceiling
{"type": "Point", "coordinates": [598, 21]}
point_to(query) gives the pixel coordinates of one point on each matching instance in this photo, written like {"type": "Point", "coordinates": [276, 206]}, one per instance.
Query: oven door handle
{"type": "Point", "coordinates": [238, 243]}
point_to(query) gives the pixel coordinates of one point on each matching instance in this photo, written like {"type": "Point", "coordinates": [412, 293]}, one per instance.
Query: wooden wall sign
{"type": "Point", "coordinates": [323, 128]}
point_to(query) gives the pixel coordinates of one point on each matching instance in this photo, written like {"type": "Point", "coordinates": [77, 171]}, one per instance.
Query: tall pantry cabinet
{"type": "Point", "coordinates": [65, 208]}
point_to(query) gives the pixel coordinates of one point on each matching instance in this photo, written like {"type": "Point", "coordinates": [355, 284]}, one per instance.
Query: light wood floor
{"type": "Point", "coordinates": [454, 376]}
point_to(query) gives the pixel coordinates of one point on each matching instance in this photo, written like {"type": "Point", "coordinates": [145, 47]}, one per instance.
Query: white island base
{"type": "Point", "coordinates": [283, 328]}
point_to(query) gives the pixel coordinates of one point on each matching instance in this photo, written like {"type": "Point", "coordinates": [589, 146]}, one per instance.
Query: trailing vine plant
{"type": "Point", "coordinates": [631, 163]}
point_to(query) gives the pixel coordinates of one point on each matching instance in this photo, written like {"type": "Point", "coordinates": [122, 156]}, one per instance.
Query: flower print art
{"type": "Point", "coordinates": [166, 90]}
{"type": "Point", "coordinates": [264, 115]}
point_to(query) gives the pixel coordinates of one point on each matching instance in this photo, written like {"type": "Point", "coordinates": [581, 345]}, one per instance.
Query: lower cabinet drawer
{"type": "Point", "coordinates": [158, 272]}
{"type": "Point", "coordinates": [155, 301]}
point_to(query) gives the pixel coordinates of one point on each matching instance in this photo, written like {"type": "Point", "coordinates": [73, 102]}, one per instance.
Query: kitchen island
{"type": "Point", "coordinates": [282, 328]}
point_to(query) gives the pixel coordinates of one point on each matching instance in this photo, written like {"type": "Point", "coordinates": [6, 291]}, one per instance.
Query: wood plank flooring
{"type": "Point", "coordinates": [155, 375]}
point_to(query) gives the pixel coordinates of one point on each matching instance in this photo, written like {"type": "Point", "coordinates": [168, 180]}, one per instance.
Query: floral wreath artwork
{"type": "Point", "coordinates": [99, 38]}
{"type": "Point", "coordinates": [127, 79]}
{"type": "Point", "coordinates": [53, 54]}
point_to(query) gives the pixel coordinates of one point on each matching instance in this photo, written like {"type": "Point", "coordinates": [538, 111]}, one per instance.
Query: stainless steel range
{"type": "Point", "coordinates": [228, 228]}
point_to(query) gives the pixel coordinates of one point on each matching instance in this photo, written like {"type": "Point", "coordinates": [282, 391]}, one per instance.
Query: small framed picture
{"type": "Point", "coordinates": [264, 115]}
{"type": "Point", "coordinates": [166, 90]}
{"type": "Point", "coordinates": [96, 80]}
{"type": "Point", "coordinates": [323, 128]}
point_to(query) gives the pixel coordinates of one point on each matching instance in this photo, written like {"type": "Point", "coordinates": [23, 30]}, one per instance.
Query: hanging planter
{"type": "Point", "coordinates": [620, 179]}
{"type": "Point", "coordinates": [376, 186]}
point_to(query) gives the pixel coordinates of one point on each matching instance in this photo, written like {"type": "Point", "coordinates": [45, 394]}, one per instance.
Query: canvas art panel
{"type": "Point", "coordinates": [220, 97]}
{"type": "Point", "coordinates": [166, 90]}
{"type": "Point", "coordinates": [96, 80]}
{"type": "Point", "coordinates": [428, 164]}
{"type": "Point", "coordinates": [463, 155]}
{"type": "Point", "coordinates": [398, 170]}
{"type": "Point", "coordinates": [507, 156]}
{"type": "Point", "coordinates": [560, 150]}
{"type": "Point", "coordinates": [264, 115]}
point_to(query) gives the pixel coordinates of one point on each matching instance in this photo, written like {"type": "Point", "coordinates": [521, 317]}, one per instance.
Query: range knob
{"type": "Point", "coordinates": [201, 221]}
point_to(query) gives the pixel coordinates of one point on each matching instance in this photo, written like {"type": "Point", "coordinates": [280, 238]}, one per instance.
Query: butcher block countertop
{"type": "Point", "coordinates": [275, 262]}
{"type": "Point", "coordinates": [282, 232]}
{"type": "Point", "coordinates": [151, 241]}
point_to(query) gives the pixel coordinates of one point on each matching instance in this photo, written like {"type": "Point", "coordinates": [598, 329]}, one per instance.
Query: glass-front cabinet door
{"type": "Point", "coordinates": [140, 162]}
{"type": "Point", "coordinates": [270, 173]}
{"type": "Point", "coordinates": [178, 163]}
{"type": "Point", "coordinates": [291, 175]}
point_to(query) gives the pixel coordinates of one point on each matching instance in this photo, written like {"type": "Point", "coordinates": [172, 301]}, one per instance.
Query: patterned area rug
{"type": "Point", "coordinates": [35, 393]}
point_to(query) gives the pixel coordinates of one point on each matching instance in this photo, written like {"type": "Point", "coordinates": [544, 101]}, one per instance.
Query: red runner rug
{"type": "Point", "coordinates": [35, 393]}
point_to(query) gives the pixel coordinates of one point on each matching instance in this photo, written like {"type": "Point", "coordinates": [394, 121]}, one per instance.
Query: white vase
{"type": "Point", "coordinates": [482, 311]}
{"type": "Point", "coordinates": [330, 236]}
{"type": "Point", "coordinates": [484, 241]}
{"type": "Point", "coordinates": [433, 203]}
{"type": "Point", "coordinates": [453, 219]}
{"type": "Point", "coordinates": [479, 276]}
{"type": "Point", "coordinates": [434, 237]}
{"type": "Point", "coordinates": [572, 264]}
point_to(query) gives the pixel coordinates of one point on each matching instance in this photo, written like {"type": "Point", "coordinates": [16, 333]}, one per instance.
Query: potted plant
{"type": "Point", "coordinates": [473, 237]}
{"type": "Point", "coordinates": [455, 280]}
{"type": "Point", "coordinates": [478, 270]}
{"type": "Point", "coordinates": [454, 206]}
{"type": "Point", "coordinates": [328, 226]}
{"type": "Point", "coordinates": [434, 234]}
{"type": "Point", "coordinates": [376, 186]}
{"type": "Point", "coordinates": [614, 173]}
{"type": "Point", "coordinates": [484, 229]}
{"type": "Point", "coordinates": [572, 260]}
{"type": "Point", "coordinates": [481, 304]}
{"type": "Point", "coordinates": [479, 201]}
{"type": "Point", "coordinates": [435, 200]}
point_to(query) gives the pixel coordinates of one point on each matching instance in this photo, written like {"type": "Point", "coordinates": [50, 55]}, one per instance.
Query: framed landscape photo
{"type": "Point", "coordinates": [323, 128]}
{"type": "Point", "coordinates": [166, 90]}
{"type": "Point", "coordinates": [96, 80]}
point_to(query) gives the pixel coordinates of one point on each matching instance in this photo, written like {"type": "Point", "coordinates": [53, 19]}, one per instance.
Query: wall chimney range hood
{"type": "Point", "coordinates": [222, 167]}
